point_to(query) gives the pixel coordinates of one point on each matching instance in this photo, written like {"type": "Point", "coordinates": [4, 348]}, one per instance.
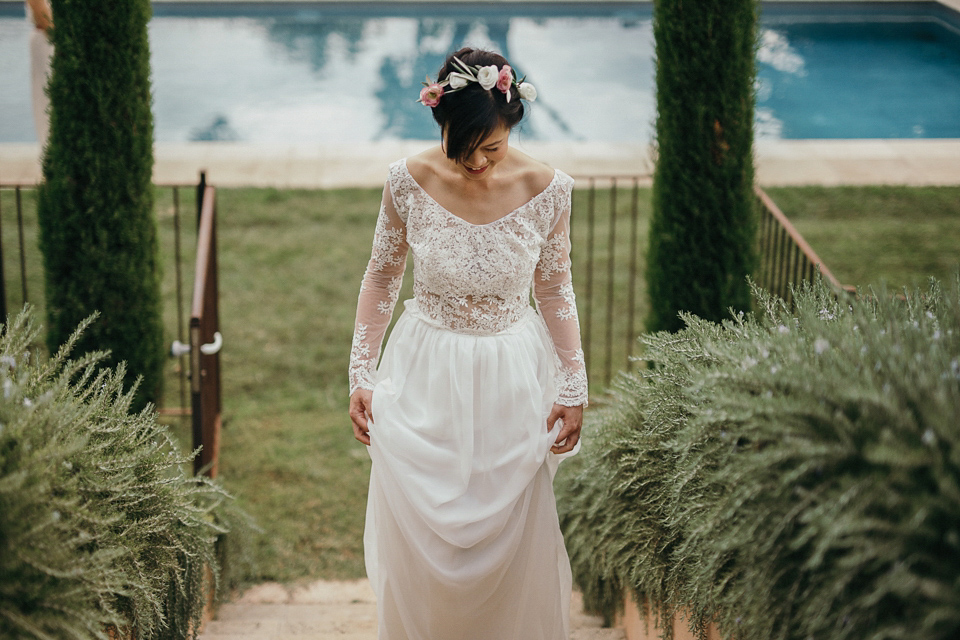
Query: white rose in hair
{"type": "Point", "coordinates": [457, 80]}
{"type": "Point", "coordinates": [528, 92]}
{"type": "Point", "coordinates": [487, 76]}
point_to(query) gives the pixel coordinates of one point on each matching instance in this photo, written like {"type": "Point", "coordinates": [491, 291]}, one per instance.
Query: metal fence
{"type": "Point", "coordinates": [17, 191]}
{"type": "Point", "coordinates": [608, 247]}
{"type": "Point", "coordinates": [609, 244]}
{"type": "Point", "coordinates": [206, 341]}
{"type": "Point", "coordinates": [785, 257]}
{"type": "Point", "coordinates": [609, 238]}
{"type": "Point", "coordinates": [16, 208]}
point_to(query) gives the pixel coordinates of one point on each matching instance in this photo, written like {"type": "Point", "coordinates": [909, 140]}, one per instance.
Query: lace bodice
{"type": "Point", "coordinates": [471, 278]}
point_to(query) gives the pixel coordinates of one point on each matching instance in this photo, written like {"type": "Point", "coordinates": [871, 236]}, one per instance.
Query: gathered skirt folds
{"type": "Point", "coordinates": [462, 540]}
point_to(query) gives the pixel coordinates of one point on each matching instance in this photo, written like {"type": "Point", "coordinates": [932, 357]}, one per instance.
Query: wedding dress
{"type": "Point", "coordinates": [461, 539]}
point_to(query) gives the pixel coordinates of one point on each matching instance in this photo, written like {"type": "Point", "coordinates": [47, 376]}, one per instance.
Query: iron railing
{"type": "Point", "coordinates": [605, 234]}
{"type": "Point", "coordinates": [608, 244]}
{"type": "Point", "coordinates": [785, 258]}
{"type": "Point", "coordinates": [205, 341]}
{"type": "Point", "coordinates": [609, 259]}
{"type": "Point", "coordinates": [182, 343]}
{"type": "Point", "coordinates": [188, 369]}
{"type": "Point", "coordinates": [17, 190]}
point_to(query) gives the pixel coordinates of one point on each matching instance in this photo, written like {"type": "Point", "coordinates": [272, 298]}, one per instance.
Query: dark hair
{"type": "Point", "coordinates": [471, 114]}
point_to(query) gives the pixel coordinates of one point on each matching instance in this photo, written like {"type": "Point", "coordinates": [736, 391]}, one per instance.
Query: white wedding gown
{"type": "Point", "coordinates": [462, 540]}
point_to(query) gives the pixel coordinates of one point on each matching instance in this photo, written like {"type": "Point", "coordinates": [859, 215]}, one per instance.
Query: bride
{"type": "Point", "coordinates": [478, 395]}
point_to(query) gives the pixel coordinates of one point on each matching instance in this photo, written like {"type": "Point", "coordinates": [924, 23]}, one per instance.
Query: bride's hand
{"type": "Point", "coordinates": [361, 411]}
{"type": "Point", "coordinates": [572, 419]}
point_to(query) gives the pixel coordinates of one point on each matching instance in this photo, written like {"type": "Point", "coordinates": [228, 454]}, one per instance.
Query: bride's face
{"type": "Point", "coordinates": [491, 150]}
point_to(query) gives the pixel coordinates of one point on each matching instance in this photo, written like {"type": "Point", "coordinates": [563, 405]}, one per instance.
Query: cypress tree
{"type": "Point", "coordinates": [95, 207]}
{"type": "Point", "coordinates": [702, 232]}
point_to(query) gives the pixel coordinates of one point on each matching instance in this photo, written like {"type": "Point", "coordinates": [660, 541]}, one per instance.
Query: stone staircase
{"type": "Point", "coordinates": [329, 610]}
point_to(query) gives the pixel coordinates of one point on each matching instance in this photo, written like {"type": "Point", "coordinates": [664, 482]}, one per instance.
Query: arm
{"type": "Point", "coordinates": [378, 297]}
{"type": "Point", "coordinates": [42, 16]}
{"type": "Point", "coordinates": [553, 290]}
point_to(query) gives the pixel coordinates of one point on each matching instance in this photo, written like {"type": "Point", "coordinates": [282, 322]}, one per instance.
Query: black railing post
{"type": "Point", "coordinates": [611, 273]}
{"type": "Point", "coordinates": [631, 291]}
{"type": "Point", "coordinates": [3, 281]}
{"type": "Point", "coordinates": [587, 343]}
{"type": "Point", "coordinates": [23, 255]}
{"type": "Point", "coordinates": [178, 269]}
{"type": "Point", "coordinates": [201, 188]}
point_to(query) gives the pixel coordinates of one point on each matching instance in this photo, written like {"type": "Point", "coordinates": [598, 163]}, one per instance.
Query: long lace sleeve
{"type": "Point", "coordinates": [378, 293]}
{"type": "Point", "coordinates": [553, 290]}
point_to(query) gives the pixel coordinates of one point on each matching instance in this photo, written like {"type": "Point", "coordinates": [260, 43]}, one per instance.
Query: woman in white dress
{"type": "Point", "coordinates": [40, 15]}
{"type": "Point", "coordinates": [478, 394]}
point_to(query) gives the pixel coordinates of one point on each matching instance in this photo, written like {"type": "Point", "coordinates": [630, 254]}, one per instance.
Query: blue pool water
{"type": "Point", "coordinates": [845, 73]}
{"type": "Point", "coordinates": [314, 73]}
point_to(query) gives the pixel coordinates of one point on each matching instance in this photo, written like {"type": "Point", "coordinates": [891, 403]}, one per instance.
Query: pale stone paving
{"type": "Point", "coordinates": [778, 162]}
{"type": "Point", "coordinates": [330, 610]}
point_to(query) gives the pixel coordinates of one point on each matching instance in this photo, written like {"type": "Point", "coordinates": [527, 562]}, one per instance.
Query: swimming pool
{"type": "Point", "coordinates": [304, 73]}
{"type": "Point", "coordinates": [859, 71]}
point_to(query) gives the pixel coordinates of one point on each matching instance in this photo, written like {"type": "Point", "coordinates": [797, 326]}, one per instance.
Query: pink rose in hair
{"type": "Point", "coordinates": [431, 94]}
{"type": "Point", "coordinates": [505, 79]}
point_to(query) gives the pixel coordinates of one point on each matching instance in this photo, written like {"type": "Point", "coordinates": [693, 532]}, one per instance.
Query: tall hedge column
{"type": "Point", "coordinates": [702, 233]}
{"type": "Point", "coordinates": [97, 226]}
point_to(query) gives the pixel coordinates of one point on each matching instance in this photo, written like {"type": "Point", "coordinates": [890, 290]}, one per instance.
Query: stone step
{"type": "Point", "coordinates": [334, 610]}
{"type": "Point", "coordinates": [597, 634]}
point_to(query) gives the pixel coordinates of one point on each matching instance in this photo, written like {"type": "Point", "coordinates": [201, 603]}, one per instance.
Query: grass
{"type": "Point", "coordinates": [290, 269]}
{"type": "Point", "coordinates": [290, 265]}
{"type": "Point", "coordinates": [604, 279]}
{"type": "Point", "coordinates": [900, 235]}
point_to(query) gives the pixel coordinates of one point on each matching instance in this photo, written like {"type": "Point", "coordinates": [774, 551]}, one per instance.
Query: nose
{"type": "Point", "coordinates": [477, 159]}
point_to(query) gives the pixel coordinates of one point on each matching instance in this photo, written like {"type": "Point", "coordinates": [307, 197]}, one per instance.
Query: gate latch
{"type": "Point", "coordinates": [178, 348]}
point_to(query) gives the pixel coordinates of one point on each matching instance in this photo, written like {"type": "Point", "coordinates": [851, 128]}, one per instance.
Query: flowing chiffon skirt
{"type": "Point", "coordinates": [462, 540]}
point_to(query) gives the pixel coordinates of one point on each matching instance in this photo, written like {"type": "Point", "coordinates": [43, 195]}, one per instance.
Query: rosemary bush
{"type": "Point", "coordinates": [99, 525]}
{"type": "Point", "coordinates": [794, 474]}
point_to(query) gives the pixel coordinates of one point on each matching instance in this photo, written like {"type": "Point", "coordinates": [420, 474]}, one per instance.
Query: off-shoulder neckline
{"type": "Point", "coordinates": [556, 178]}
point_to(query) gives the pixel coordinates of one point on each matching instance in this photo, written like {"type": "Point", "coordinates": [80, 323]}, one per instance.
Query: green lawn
{"type": "Point", "coordinates": [865, 235]}
{"type": "Point", "coordinates": [290, 269]}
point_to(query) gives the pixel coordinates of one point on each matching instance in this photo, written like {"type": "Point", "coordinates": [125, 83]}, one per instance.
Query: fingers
{"type": "Point", "coordinates": [572, 421]}
{"type": "Point", "coordinates": [361, 414]}
{"type": "Point", "coordinates": [555, 414]}
{"type": "Point", "coordinates": [566, 441]}
{"type": "Point", "coordinates": [362, 436]}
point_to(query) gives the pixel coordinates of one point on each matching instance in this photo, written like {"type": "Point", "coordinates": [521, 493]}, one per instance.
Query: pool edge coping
{"type": "Point", "coordinates": [920, 162]}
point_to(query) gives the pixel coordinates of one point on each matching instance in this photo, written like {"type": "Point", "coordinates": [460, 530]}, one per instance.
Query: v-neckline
{"type": "Point", "coordinates": [464, 220]}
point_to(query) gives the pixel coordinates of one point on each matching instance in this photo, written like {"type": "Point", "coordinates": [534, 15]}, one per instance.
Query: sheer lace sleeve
{"type": "Point", "coordinates": [378, 293]}
{"type": "Point", "coordinates": [553, 290]}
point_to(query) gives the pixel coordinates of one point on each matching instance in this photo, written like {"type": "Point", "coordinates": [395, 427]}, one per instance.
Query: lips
{"type": "Point", "coordinates": [476, 172]}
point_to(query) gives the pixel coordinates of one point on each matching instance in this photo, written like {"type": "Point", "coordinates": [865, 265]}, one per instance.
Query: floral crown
{"type": "Point", "coordinates": [487, 77]}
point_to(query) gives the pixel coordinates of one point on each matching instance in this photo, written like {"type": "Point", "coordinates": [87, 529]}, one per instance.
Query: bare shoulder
{"type": "Point", "coordinates": [426, 165]}
{"type": "Point", "coordinates": [535, 175]}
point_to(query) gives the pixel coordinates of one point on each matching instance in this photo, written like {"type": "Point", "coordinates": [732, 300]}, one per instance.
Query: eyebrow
{"type": "Point", "coordinates": [493, 144]}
